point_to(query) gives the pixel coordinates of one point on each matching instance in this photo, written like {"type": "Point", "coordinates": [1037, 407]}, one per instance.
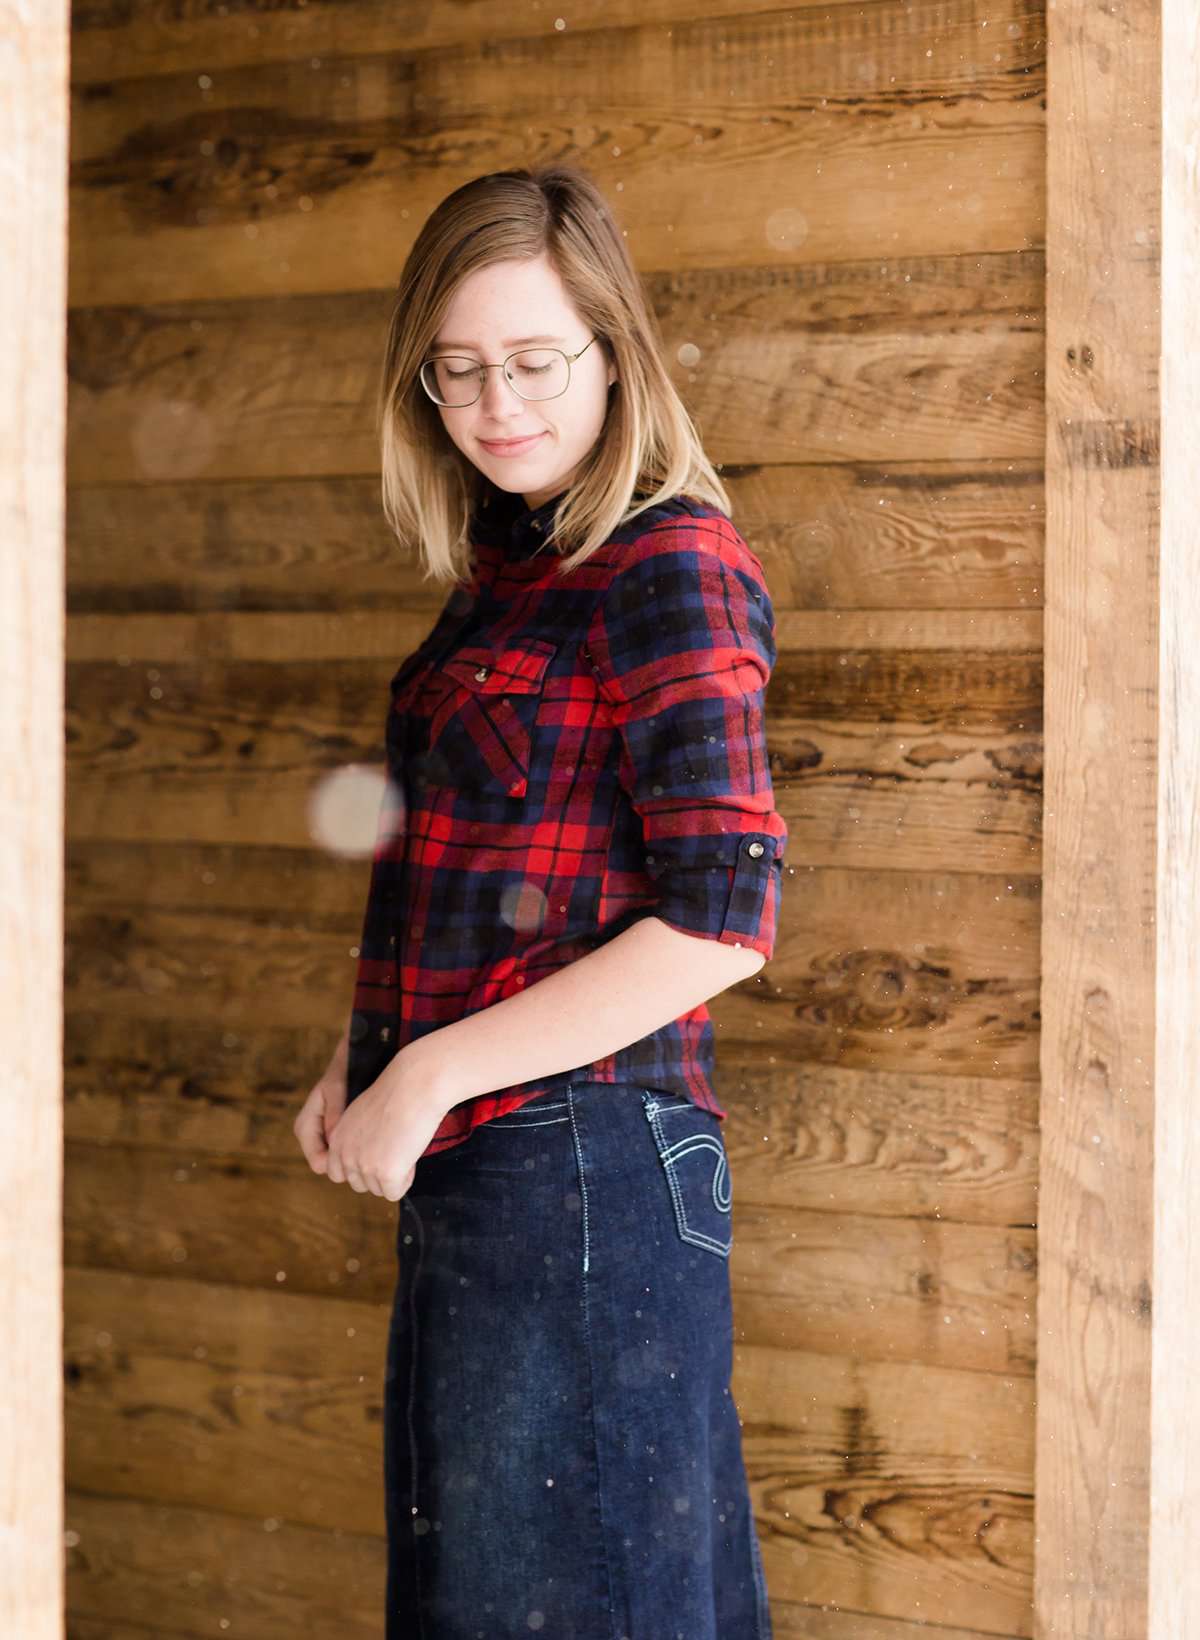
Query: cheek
{"type": "Point", "coordinates": [588, 416]}
{"type": "Point", "coordinates": [599, 411]}
{"type": "Point", "coordinates": [452, 431]}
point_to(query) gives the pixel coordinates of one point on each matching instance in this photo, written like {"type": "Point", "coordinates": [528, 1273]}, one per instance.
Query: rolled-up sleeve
{"type": "Point", "coordinates": [682, 645]}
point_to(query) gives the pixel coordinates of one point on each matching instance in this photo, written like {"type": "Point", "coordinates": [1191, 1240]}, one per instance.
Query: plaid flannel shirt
{"type": "Point", "coordinates": [566, 755]}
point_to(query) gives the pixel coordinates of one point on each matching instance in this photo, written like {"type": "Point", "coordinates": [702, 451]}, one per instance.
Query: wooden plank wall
{"type": "Point", "coordinates": [842, 209]}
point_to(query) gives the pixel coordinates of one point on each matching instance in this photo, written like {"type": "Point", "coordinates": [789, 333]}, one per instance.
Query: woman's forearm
{"type": "Point", "coordinates": [340, 1057]}
{"type": "Point", "coordinates": [647, 976]}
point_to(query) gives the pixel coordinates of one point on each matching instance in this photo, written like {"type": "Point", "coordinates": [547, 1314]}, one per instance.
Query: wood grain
{"type": "Point", "coordinates": [873, 968]}
{"type": "Point", "coordinates": [878, 1486]}
{"type": "Point", "coordinates": [127, 1557]}
{"type": "Point", "coordinates": [963, 537]}
{"type": "Point", "coordinates": [841, 212]}
{"type": "Point", "coordinates": [803, 1135]}
{"type": "Point", "coordinates": [933, 357]}
{"type": "Point", "coordinates": [166, 1571]}
{"type": "Point", "coordinates": [34, 217]}
{"type": "Point", "coordinates": [896, 1489]}
{"type": "Point", "coordinates": [1106, 1280]}
{"type": "Point", "coordinates": [135, 37]}
{"type": "Point", "coordinates": [900, 132]}
{"type": "Point", "coordinates": [881, 759]}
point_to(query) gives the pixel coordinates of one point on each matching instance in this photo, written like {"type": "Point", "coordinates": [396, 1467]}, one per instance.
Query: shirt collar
{"type": "Point", "coordinates": [502, 519]}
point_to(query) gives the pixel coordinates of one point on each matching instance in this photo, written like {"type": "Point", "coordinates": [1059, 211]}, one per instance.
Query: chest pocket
{"type": "Point", "coordinates": [485, 700]}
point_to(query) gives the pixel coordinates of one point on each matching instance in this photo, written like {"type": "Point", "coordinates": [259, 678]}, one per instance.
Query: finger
{"type": "Point", "coordinates": [397, 1191]}
{"type": "Point", "coordinates": [308, 1132]}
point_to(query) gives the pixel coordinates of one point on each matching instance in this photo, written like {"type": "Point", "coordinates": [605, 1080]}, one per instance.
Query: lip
{"type": "Point", "coordinates": [510, 446]}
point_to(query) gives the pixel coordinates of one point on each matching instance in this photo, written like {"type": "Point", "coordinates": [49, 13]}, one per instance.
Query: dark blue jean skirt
{"type": "Point", "coordinates": [562, 1451]}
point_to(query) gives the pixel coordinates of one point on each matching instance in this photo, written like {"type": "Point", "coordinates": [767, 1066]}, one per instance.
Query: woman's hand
{"type": "Point", "coordinates": [322, 1110]}
{"type": "Point", "coordinates": [380, 1139]}
{"type": "Point", "coordinates": [383, 1135]}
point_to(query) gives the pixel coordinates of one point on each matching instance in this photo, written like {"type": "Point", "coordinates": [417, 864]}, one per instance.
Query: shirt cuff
{"type": "Point", "coordinates": [735, 901]}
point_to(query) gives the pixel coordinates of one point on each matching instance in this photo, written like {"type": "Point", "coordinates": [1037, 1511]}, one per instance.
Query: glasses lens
{"type": "Point", "coordinates": [537, 373]}
{"type": "Point", "coordinates": [540, 373]}
{"type": "Point", "coordinates": [451, 380]}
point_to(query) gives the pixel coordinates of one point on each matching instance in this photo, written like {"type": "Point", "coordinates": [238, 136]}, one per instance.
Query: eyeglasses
{"type": "Point", "coordinates": [536, 373]}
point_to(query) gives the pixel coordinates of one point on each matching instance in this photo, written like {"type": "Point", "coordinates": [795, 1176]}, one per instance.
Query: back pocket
{"type": "Point", "coordinates": [696, 1168]}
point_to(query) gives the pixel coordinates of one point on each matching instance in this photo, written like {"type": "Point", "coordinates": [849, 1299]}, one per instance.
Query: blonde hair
{"type": "Point", "coordinates": [648, 449]}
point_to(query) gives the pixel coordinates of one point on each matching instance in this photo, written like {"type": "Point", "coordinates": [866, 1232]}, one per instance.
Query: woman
{"type": "Point", "coordinates": [578, 847]}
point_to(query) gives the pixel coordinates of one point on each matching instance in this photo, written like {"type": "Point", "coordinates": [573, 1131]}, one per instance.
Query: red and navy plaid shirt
{"type": "Point", "coordinates": [565, 755]}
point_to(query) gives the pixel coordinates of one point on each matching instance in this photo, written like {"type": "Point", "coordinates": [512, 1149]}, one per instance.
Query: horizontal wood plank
{"type": "Point", "coordinates": [894, 1143]}
{"type": "Point", "coordinates": [110, 42]}
{"type": "Point", "coordinates": [929, 358]}
{"type": "Point", "coordinates": [881, 1141]}
{"type": "Point", "coordinates": [275, 1579]}
{"type": "Point", "coordinates": [827, 1279]}
{"type": "Point", "coordinates": [790, 1620]}
{"type": "Point", "coordinates": [141, 1570]}
{"type": "Point", "coordinates": [119, 640]}
{"type": "Point", "coordinates": [888, 1487]}
{"type": "Point", "coordinates": [895, 1489]}
{"type": "Point", "coordinates": [885, 1288]}
{"type": "Point", "coordinates": [859, 538]}
{"type": "Point", "coordinates": [253, 1221]}
{"type": "Point", "coordinates": [925, 971]}
{"type": "Point", "coordinates": [900, 133]}
{"type": "Point", "coordinates": [889, 758]}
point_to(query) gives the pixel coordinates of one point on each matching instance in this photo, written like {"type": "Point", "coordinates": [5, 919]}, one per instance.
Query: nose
{"type": "Point", "coordinates": [499, 397]}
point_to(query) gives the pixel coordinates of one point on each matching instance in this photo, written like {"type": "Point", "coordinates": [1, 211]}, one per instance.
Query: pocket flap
{"type": "Point", "coordinates": [501, 669]}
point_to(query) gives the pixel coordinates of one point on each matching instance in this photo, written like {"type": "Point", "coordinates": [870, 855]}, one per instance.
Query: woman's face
{"type": "Point", "coordinates": [495, 311]}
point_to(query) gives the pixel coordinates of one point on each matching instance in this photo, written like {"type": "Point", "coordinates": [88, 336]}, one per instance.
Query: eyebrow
{"type": "Point", "coordinates": [515, 341]}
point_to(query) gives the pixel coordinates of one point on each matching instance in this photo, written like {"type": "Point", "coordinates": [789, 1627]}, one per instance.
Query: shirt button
{"type": "Point", "coordinates": [755, 849]}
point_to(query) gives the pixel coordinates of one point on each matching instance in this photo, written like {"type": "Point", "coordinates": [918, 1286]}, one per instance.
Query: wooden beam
{"type": "Point", "coordinates": [33, 276]}
{"type": "Point", "coordinates": [1117, 1297]}
{"type": "Point", "coordinates": [1175, 1409]}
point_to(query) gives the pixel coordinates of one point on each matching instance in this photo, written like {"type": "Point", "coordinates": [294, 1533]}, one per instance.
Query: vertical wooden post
{"type": "Point", "coordinates": [33, 228]}
{"type": "Point", "coordinates": [1119, 1195]}
{"type": "Point", "coordinates": [1175, 1393]}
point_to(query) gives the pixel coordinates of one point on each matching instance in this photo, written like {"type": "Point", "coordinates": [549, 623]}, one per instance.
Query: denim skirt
{"type": "Point", "coordinates": [562, 1450]}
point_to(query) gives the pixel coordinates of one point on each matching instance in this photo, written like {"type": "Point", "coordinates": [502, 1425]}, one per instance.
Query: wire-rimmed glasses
{"type": "Point", "coordinates": [536, 373]}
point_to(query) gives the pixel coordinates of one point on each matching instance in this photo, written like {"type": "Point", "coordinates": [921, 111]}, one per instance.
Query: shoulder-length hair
{"type": "Point", "coordinates": [648, 449]}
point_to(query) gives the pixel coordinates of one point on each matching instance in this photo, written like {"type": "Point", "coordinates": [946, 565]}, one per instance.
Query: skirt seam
{"type": "Point", "coordinates": [412, 1397]}
{"type": "Point", "coordinates": [587, 1343]}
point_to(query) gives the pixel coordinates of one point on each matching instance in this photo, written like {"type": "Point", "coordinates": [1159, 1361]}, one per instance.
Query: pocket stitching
{"type": "Point", "coordinates": [681, 1147]}
{"type": "Point", "coordinates": [465, 663]}
{"type": "Point", "coordinates": [484, 696]}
